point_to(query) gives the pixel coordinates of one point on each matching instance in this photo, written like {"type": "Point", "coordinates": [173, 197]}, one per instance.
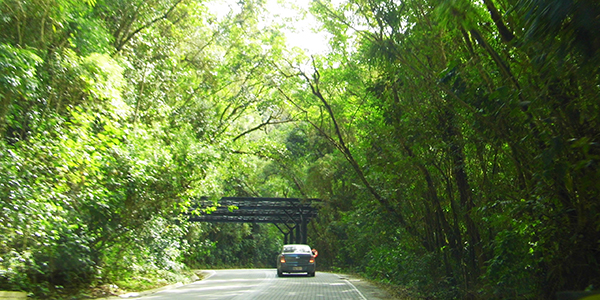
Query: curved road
{"type": "Point", "coordinates": [264, 284]}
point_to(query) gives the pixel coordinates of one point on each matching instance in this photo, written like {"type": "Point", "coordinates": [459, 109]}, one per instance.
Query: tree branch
{"type": "Point", "coordinates": [505, 33]}
{"type": "Point", "coordinates": [131, 35]}
{"type": "Point", "coordinates": [341, 145]}
{"type": "Point", "coordinates": [261, 125]}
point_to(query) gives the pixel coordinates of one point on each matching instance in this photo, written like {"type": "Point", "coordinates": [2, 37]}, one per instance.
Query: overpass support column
{"type": "Point", "coordinates": [298, 233]}
{"type": "Point", "coordinates": [304, 226]}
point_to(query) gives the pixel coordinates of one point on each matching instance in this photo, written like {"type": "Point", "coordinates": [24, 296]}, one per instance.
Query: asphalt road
{"type": "Point", "coordinates": [264, 284]}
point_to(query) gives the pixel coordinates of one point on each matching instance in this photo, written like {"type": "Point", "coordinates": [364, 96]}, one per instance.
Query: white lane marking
{"type": "Point", "coordinates": [353, 287]}
{"type": "Point", "coordinates": [212, 273]}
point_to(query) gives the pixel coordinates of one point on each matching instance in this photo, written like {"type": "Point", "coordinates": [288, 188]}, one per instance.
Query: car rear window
{"type": "Point", "coordinates": [296, 249]}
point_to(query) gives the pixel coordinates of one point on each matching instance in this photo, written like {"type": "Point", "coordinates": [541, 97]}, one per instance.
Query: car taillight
{"type": "Point", "coordinates": [312, 260]}
{"type": "Point", "coordinates": [282, 259]}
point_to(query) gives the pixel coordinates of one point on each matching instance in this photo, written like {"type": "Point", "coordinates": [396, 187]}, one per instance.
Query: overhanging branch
{"type": "Point", "coordinates": [261, 125]}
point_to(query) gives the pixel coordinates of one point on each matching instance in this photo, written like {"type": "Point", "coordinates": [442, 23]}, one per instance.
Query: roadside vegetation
{"type": "Point", "coordinates": [455, 144]}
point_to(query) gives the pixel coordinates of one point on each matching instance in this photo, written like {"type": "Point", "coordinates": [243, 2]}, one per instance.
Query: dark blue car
{"type": "Point", "coordinates": [296, 259]}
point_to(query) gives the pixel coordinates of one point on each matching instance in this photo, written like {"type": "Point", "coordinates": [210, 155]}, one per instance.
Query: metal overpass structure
{"type": "Point", "coordinates": [290, 215]}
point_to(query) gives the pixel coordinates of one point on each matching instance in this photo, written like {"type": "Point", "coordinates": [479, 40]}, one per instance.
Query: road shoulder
{"type": "Point", "coordinates": [369, 290]}
{"type": "Point", "coordinates": [200, 275]}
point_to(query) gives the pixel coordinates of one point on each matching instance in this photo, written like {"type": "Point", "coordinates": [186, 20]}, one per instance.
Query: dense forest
{"type": "Point", "coordinates": [454, 144]}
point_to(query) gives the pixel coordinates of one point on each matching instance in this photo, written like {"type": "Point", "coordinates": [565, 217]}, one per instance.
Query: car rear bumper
{"type": "Point", "coordinates": [297, 268]}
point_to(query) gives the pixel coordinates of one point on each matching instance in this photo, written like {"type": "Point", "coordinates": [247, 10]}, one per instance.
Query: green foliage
{"type": "Point", "coordinates": [512, 267]}
{"type": "Point", "coordinates": [18, 81]}
{"type": "Point", "coordinates": [111, 121]}
{"type": "Point", "coordinates": [459, 117]}
{"type": "Point", "coordinates": [238, 245]}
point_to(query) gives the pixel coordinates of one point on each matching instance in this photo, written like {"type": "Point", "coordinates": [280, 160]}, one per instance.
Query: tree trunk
{"type": "Point", "coordinates": [476, 257]}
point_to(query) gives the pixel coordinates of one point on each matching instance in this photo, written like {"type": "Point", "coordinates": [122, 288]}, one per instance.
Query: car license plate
{"type": "Point", "coordinates": [297, 268]}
